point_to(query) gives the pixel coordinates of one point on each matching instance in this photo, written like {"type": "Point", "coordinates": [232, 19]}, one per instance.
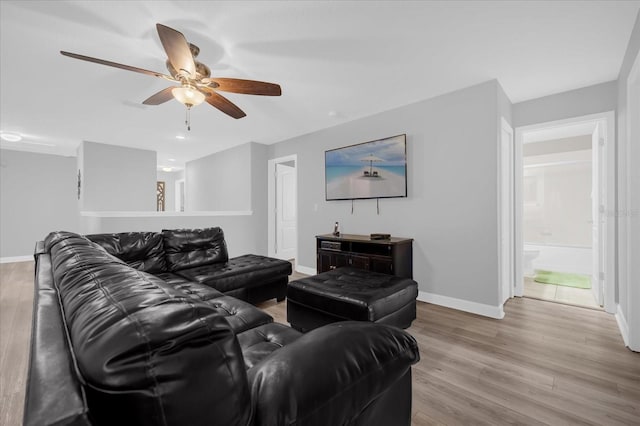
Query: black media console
{"type": "Point", "coordinates": [393, 256]}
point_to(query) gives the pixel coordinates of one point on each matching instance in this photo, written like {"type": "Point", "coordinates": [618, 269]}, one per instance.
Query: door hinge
{"type": "Point", "coordinates": [601, 141]}
{"type": "Point", "coordinates": [601, 276]}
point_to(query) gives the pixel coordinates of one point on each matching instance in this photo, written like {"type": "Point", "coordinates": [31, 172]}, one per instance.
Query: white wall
{"type": "Point", "coordinates": [117, 178]}
{"type": "Point", "coordinates": [557, 206]}
{"type": "Point", "coordinates": [232, 180]}
{"type": "Point", "coordinates": [505, 108]}
{"type": "Point", "coordinates": [627, 210]}
{"type": "Point", "coordinates": [574, 103]}
{"type": "Point", "coordinates": [221, 181]}
{"type": "Point", "coordinates": [259, 160]}
{"type": "Point", "coordinates": [452, 190]}
{"type": "Point", "coordinates": [38, 195]}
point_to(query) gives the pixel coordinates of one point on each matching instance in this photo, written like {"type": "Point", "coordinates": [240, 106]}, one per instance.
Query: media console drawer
{"type": "Point", "coordinates": [331, 245]}
{"type": "Point", "coordinates": [393, 256]}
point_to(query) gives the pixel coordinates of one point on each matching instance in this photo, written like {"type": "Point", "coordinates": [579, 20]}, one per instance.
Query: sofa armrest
{"type": "Point", "coordinates": [331, 374]}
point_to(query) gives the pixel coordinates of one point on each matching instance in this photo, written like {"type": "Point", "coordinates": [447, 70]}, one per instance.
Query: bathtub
{"type": "Point", "coordinates": [557, 258]}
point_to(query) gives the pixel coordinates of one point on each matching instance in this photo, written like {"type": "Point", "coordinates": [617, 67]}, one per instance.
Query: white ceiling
{"type": "Point", "coordinates": [336, 61]}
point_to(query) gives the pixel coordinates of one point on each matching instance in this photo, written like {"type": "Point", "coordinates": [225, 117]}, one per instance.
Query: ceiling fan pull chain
{"type": "Point", "coordinates": [187, 119]}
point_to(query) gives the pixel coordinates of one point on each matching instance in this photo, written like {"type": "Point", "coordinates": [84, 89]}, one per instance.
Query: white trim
{"type": "Point", "coordinates": [630, 249]}
{"type": "Point", "coordinates": [557, 163]}
{"type": "Point", "coordinates": [518, 237]}
{"type": "Point", "coordinates": [166, 214]}
{"type": "Point", "coordinates": [611, 171]}
{"type": "Point", "coordinates": [564, 123]}
{"type": "Point", "coordinates": [505, 219]}
{"type": "Point", "coordinates": [496, 312]}
{"type": "Point", "coordinates": [13, 259]}
{"type": "Point", "coordinates": [306, 270]}
{"type": "Point", "coordinates": [622, 325]}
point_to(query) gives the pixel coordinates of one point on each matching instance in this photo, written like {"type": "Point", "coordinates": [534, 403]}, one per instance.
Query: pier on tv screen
{"type": "Point", "coordinates": [375, 169]}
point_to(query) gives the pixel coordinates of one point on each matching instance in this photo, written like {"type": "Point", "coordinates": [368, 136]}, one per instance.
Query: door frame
{"type": "Point", "coordinates": [271, 202]}
{"type": "Point", "coordinates": [628, 212]}
{"type": "Point", "coordinates": [608, 244]}
{"type": "Point", "coordinates": [506, 213]}
{"type": "Point", "coordinates": [179, 192]}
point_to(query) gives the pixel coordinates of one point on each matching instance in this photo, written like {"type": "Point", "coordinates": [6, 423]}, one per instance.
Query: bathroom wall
{"type": "Point", "coordinates": [557, 203]}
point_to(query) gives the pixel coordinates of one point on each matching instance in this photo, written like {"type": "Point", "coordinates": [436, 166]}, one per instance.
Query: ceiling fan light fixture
{"type": "Point", "coordinates": [188, 95]}
{"type": "Point", "coordinates": [10, 136]}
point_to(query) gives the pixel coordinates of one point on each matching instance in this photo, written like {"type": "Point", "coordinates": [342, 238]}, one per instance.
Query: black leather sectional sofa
{"type": "Point", "coordinates": [200, 255]}
{"type": "Point", "coordinates": [122, 337]}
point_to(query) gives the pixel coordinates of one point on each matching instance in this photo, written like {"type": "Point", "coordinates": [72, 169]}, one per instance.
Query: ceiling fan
{"type": "Point", "coordinates": [195, 82]}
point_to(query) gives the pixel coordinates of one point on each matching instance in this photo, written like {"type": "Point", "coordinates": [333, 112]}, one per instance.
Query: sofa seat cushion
{"type": "Point", "coordinates": [190, 248]}
{"type": "Point", "coordinates": [240, 315]}
{"type": "Point", "coordinates": [193, 289]}
{"type": "Point", "coordinates": [173, 279]}
{"type": "Point", "coordinates": [353, 294]}
{"type": "Point", "coordinates": [246, 271]}
{"type": "Point", "coordinates": [140, 250]}
{"type": "Point", "coordinates": [259, 342]}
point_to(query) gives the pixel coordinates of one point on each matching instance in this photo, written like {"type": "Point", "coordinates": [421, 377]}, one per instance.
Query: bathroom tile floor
{"type": "Point", "coordinates": [561, 294]}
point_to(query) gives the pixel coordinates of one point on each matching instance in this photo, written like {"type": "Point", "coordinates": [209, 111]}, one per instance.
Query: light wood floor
{"type": "Point", "coordinates": [544, 363]}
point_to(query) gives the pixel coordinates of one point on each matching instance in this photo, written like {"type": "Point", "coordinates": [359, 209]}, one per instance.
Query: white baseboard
{"type": "Point", "coordinates": [496, 312]}
{"type": "Point", "coordinates": [13, 259]}
{"type": "Point", "coordinates": [622, 325]}
{"type": "Point", "coordinates": [305, 270]}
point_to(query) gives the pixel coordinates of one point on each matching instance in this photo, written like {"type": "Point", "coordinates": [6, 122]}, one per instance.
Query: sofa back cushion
{"type": "Point", "coordinates": [51, 367]}
{"type": "Point", "coordinates": [146, 354]}
{"type": "Point", "coordinates": [140, 250]}
{"type": "Point", "coordinates": [188, 248]}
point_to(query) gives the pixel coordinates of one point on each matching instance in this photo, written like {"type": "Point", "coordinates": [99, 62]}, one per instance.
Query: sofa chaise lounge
{"type": "Point", "coordinates": [113, 344]}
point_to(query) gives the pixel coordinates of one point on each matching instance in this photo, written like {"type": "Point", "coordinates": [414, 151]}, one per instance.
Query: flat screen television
{"type": "Point", "coordinates": [375, 169]}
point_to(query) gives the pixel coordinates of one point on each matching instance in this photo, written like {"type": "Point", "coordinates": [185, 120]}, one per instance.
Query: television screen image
{"type": "Point", "coordinates": [376, 169]}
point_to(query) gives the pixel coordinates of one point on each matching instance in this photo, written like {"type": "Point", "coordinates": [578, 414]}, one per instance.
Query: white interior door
{"type": "Point", "coordinates": [286, 226]}
{"type": "Point", "coordinates": [597, 215]}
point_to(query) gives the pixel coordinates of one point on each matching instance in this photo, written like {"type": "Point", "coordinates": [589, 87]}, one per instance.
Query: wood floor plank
{"type": "Point", "coordinates": [16, 299]}
{"type": "Point", "coordinates": [543, 364]}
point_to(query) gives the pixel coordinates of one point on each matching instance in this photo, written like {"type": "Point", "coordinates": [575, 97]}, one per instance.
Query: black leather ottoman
{"type": "Point", "coordinates": [351, 294]}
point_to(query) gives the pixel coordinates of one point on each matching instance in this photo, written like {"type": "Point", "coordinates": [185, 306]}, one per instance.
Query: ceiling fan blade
{"type": "Point", "coordinates": [223, 104]}
{"type": "Point", "coordinates": [116, 65]}
{"type": "Point", "coordinates": [177, 50]}
{"type": "Point", "coordinates": [161, 97]}
{"type": "Point", "coordinates": [248, 87]}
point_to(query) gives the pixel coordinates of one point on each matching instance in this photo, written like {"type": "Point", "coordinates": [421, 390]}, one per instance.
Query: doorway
{"type": "Point", "coordinates": [566, 165]}
{"type": "Point", "coordinates": [283, 208]}
{"type": "Point", "coordinates": [179, 195]}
